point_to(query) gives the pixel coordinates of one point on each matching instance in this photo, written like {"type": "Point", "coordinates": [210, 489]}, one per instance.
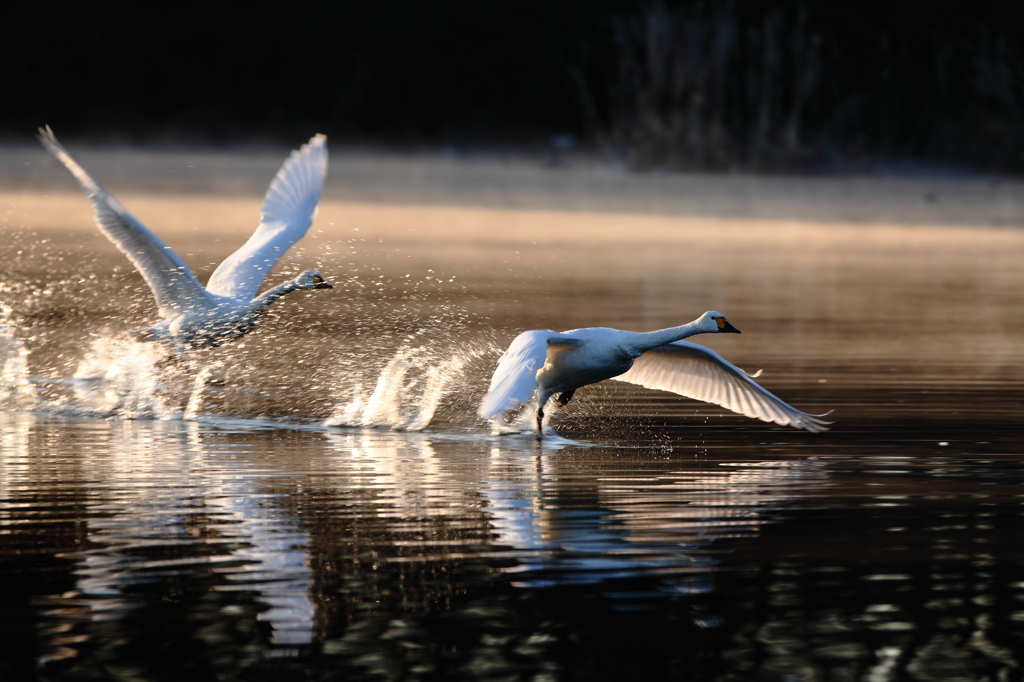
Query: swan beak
{"type": "Point", "coordinates": [323, 285]}
{"type": "Point", "coordinates": [725, 328]}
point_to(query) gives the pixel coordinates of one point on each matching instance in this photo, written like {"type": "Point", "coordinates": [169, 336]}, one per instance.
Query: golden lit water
{"type": "Point", "coordinates": [154, 527]}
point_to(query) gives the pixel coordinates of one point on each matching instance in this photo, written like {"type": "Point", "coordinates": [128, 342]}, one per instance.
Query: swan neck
{"type": "Point", "coordinates": [651, 340]}
{"type": "Point", "coordinates": [271, 295]}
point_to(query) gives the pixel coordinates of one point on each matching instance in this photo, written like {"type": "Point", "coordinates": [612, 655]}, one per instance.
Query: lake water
{"type": "Point", "coordinates": [319, 502]}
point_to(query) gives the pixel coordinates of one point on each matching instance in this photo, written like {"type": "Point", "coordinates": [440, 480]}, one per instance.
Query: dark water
{"type": "Point", "coordinates": [183, 550]}
{"type": "Point", "coordinates": [201, 522]}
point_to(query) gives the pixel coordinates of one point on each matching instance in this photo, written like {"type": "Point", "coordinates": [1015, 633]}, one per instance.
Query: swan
{"type": "Point", "coordinates": [559, 363]}
{"type": "Point", "coordinates": [194, 317]}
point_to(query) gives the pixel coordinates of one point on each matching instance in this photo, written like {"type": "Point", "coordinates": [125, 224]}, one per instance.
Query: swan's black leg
{"type": "Point", "coordinates": [564, 397]}
{"type": "Point", "coordinates": [540, 421]}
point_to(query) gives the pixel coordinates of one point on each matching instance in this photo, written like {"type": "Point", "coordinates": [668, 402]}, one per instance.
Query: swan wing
{"type": "Point", "coordinates": [700, 373]}
{"type": "Point", "coordinates": [175, 287]}
{"type": "Point", "coordinates": [515, 377]}
{"type": "Point", "coordinates": [287, 212]}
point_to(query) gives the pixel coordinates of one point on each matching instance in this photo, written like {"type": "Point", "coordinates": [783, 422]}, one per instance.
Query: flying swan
{"type": "Point", "coordinates": [194, 317]}
{"type": "Point", "coordinates": [555, 363]}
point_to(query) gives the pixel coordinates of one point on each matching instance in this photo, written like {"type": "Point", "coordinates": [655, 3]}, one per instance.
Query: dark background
{"type": "Point", "coordinates": [748, 85]}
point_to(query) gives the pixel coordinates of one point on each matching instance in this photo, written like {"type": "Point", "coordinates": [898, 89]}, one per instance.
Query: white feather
{"type": "Point", "coordinates": [288, 210]}
{"type": "Point", "coordinates": [551, 363]}
{"type": "Point", "coordinates": [515, 377]}
{"type": "Point", "coordinates": [174, 286]}
{"type": "Point", "coordinates": [700, 373]}
{"type": "Point", "coordinates": [194, 316]}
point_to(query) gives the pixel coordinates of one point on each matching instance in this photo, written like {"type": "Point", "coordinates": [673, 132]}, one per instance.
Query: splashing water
{"type": "Point", "coordinates": [16, 392]}
{"type": "Point", "coordinates": [408, 391]}
{"type": "Point", "coordinates": [522, 419]}
{"type": "Point", "coordinates": [122, 378]}
{"type": "Point", "coordinates": [195, 399]}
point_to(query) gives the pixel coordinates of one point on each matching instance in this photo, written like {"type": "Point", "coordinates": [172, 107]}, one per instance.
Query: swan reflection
{"type": "Point", "coordinates": [570, 529]}
{"type": "Point", "coordinates": [364, 549]}
{"type": "Point", "coordinates": [540, 506]}
{"type": "Point", "coordinates": [169, 506]}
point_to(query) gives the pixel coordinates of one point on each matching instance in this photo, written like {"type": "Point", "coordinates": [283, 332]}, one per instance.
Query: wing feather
{"type": "Point", "coordinates": [287, 212]}
{"type": "Point", "coordinates": [174, 286]}
{"type": "Point", "coordinates": [700, 373]}
{"type": "Point", "coordinates": [515, 377]}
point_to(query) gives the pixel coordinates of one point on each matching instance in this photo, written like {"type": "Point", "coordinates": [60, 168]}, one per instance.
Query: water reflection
{"type": "Point", "coordinates": [566, 528]}
{"type": "Point", "coordinates": [198, 550]}
{"type": "Point", "coordinates": [158, 507]}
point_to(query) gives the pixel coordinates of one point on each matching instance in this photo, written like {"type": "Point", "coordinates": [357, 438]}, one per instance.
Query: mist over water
{"type": "Point", "coordinates": [319, 500]}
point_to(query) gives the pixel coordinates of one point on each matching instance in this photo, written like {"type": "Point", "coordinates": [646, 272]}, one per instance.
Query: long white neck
{"type": "Point", "coordinates": [648, 340]}
{"type": "Point", "coordinates": [260, 303]}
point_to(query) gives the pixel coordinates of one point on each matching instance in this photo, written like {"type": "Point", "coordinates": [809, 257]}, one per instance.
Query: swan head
{"type": "Point", "coordinates": [713, 322]}
{"type": "Point", "coordinates": [310, 279]}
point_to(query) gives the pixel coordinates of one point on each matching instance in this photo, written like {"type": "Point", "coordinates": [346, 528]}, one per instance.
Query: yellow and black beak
{"type": "Point", "coordinates": [724, 327]}
{"type": "Point", "coordinates": [319, 283]}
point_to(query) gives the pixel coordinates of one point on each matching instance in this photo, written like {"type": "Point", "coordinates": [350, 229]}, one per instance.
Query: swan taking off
{"type": "Point", "coordinates": [194, 317]}
{"type": "Point", "coordinates": [553, 363]}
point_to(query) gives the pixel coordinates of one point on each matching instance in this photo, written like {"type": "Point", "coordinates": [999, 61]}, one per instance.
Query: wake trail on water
{"type": "Point", "coordinates": [434, 379]}
{"type": "Point", "coordinates": [120, 378]}
{"type": "Point", "coordinates": [417, 388]}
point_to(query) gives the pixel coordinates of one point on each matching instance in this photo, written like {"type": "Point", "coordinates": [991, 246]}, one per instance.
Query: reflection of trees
{"type": "Point", "coordinates": [654, 536]}
{"type": "Point", "coordinates": [915, 622]}
{"type": "Point", "coordinates": [938, 603]}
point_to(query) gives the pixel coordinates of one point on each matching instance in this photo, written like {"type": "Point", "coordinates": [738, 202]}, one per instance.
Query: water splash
{"type": "Point", "coordinates": [195, 399]}
{"type": "Point", "coordinates": [123, 378]}
{"type": "Point", "coordinates": [523, 419]}
{"type": "Point", "coordinates": [16, 391]}
{"type": "Point", "coordinates": [407, 393]}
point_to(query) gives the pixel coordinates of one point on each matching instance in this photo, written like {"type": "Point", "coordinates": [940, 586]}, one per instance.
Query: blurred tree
{"type": "Point", "coordinates": [760, 84]}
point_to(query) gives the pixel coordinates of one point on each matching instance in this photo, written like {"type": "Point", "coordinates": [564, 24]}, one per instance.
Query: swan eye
{"type": "Point", "coordinates": [721, 322]}
{"type": "Point", "coordinates": [317, 279]}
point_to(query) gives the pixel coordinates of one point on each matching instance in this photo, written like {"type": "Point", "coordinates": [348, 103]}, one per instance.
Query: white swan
{"type": "Point", "coordinates": [559, 363]}
{"type": "Point", "coordinates": [226, 309]}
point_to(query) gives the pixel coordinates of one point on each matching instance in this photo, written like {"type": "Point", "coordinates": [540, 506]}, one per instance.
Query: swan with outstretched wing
{"type": "Point", "coordinates": [556, 364]}
{"type": "Point", "coordinates": [228, 307]}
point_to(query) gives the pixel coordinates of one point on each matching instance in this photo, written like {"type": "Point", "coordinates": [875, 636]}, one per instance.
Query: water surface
{"type": "Point", "coordinates": [318, 501]}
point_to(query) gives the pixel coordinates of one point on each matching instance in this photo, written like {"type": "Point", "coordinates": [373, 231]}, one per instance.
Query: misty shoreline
{"type": "Point", "coordinates": [536, 182]}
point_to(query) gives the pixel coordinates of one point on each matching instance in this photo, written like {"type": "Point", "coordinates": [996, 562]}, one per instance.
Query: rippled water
{"type": "Point", "coordinates": [318, 501]}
